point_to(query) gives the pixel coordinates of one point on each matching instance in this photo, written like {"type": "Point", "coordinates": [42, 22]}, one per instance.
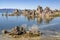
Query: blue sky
{"type": "Point", "coordinates": [29, 4]}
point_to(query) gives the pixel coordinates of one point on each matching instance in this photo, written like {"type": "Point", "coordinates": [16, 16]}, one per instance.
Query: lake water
{"type": "Point", "coordinates": [8, 22]}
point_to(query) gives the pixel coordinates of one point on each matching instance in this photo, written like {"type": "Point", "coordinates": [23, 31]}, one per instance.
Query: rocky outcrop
{"type": "Point", "coordinates": [17, 31]}
{"type": "Point", "coordinates": [25, 12]}
{"type": "Point", "coordinates": [34, 31]}
{"type": "Point", "coordinates": [22, 31]}
{"type": "Point", "coordinates": [47, 10]}
{"type": "Point", "coordinates": [15, 13]}
{"type": "Point", "coordinates": [39, 10]}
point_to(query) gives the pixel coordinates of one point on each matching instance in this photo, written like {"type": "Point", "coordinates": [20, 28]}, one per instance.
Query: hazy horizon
{"type": "Point", "coordinates": [29, 4]}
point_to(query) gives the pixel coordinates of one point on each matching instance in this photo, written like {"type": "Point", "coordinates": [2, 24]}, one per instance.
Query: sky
{"type": "Point", "coordinates": [29, 4]}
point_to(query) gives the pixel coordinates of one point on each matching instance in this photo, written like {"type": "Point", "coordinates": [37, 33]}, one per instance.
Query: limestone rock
{"type": "Point", "coordinates": [15, 31]}
{"type": "Point", "coordinates": [4, 31]}
{"type": "Point", "coordinates": [34, 30]}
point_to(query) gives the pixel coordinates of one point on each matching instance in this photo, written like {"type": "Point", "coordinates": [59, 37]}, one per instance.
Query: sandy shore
{"type": "Point", "coordinates": [6, 37]}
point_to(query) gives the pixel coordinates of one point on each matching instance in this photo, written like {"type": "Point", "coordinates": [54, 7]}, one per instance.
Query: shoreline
{"type": "Point", "coordinates": [5, 37]}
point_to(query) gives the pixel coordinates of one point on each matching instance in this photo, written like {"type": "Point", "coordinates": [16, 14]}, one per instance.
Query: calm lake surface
{"type": "Point", "coordinates": [8, 22]}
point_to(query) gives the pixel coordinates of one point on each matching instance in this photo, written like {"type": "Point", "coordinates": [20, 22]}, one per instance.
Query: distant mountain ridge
{"type": "Point", "coordinates": [7, 10]}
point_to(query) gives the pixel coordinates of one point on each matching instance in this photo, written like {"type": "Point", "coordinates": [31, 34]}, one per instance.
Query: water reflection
{"type": "Point", "coordinates": [38, 19]}
{"type": "Point", "coordinates": [7, 17]}
{"type": "Point", "coordinates": [47, 20]}
{"type": "Point", "coordinates": [8, 22]}
{"type": "Point", "coordinates": [30, 18]}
